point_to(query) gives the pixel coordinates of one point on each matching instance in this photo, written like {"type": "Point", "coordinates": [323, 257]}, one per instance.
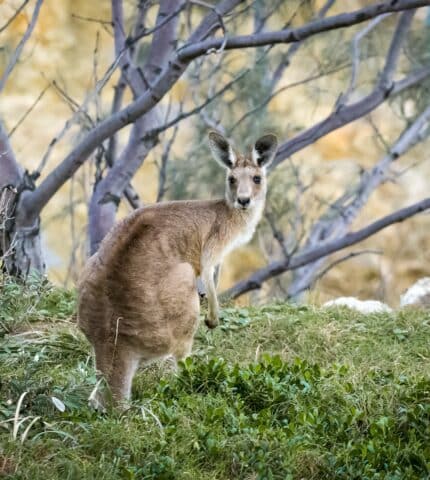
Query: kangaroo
{"type": "Point", "coordinates": [137, 295]}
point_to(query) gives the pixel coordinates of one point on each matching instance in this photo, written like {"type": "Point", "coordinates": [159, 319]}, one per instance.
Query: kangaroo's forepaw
{"type": "Point", "coordinates": [97, 402]}
{"type": "Point", "coordinates": [211, 322]}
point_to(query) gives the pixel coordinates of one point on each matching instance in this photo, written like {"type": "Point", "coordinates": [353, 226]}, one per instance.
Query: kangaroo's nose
{"type": "Point", "coordinates": [244, 201]}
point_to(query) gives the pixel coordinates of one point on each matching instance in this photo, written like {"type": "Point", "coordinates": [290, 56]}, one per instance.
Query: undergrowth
{"type": "Point", "coordinates": [277, 392]}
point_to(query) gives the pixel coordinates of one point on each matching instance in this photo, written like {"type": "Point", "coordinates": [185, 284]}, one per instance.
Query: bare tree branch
{"type": "Point", "coordinates": [271, 96]}
{"type": "Point", "coordinates": [146, 32]}
{"type": "Point", "coordinates": [38, 199]}
{"type": "Point", "coordinates": [109, 191]}
{"type": "Point", "coordinates": [121, 44]}
{"type": "Point", "coordinates": [100, 21]}
{"type": "Point", "coordinates": [28, 111]}
{"type": "Point", "coordinates": [329, 225]}
{"type": "Point", "coordinates": [17, 53]}
{"type": "Point", "coordinates": [356, 57]}
{"type": "Point", "coordinates": [80, 110]}
{"type": "Point", "coordinates": [256, 280]}
{"type": "Point", "coordinates": [11, 172]}
{"type": "Point", "coordinates": [150, 134]}
{"type": "Point", "coordinates": [324, 228]}
{"type": "Point", "coordinates": [111, 150]}
{"type": "Point", "coordinates": [290, 35]}
{"type": "Point", "coordinates": [340, 260]}
{"type": "Point", "coordinates": [292, 50]}
{"type": "Point", "coordinates": [348, 114]}
{"type": "Point", "coordinates": [129, 74]}
{"type": "Point", "coordinates": [162, 173]}
{"type": "Point", "coordinates": [16, 13]}
{"type": "Point", "coordinates": [123, 51]}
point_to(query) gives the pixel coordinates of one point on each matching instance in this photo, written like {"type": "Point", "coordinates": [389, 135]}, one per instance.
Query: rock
{"type": "Point", "coordinates": [363, 306]}
{"type": "Point", "coordinates": [418, 294]}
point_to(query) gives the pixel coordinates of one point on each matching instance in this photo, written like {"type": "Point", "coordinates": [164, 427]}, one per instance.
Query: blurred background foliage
{"type": "Point", "coordinates": [72, 48]}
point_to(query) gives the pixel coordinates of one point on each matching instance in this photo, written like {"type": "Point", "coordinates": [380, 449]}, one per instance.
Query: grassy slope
{"type": "Point", "coordinates": [276, 392]}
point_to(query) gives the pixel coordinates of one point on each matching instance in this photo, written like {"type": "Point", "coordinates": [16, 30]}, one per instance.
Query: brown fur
{"type": "Point", "coordinates": [137, 295]}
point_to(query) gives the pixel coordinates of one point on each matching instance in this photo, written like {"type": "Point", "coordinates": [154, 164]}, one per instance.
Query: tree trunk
{"type": "Point", "coordinates": [20, 248]}
{"type": "Point", "coordinates": [20, 244]}
{"type": "Point", "coordinates": [27, 257]}
{"type": "Point", "coordinates": [109, 191]}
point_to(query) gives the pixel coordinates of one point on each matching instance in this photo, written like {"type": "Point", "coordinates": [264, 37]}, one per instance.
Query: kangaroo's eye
{"type": "Point", "coordinates": [257, 179]}
{"type": "Point", "coordinates": [231, 180]}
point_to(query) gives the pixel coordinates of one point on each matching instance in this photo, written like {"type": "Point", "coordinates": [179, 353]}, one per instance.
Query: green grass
{"type": "Point", "coordinates": [277, 392]}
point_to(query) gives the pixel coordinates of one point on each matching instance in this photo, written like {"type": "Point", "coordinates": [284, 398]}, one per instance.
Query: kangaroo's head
{"type": "Point", "coordinates": [246, 174]}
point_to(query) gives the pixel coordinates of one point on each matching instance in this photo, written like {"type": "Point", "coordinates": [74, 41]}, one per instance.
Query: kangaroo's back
{"type": "Point", "coordinates": [95, 312]}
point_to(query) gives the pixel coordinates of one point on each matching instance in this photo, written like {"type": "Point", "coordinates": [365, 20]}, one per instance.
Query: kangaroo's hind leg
{"type": "Point", "coordinates": [181, 306]}
{"type": "Point", "coordinates": [118, 364]}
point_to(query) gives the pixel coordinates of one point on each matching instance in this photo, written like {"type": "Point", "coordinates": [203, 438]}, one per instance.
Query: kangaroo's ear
{"type": "Point", "coordinates": [264, 150]}
{"type": "Point", "coordinates": [221, 150]}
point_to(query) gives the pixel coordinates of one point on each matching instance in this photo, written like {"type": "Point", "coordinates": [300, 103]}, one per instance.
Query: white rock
{"type": "Point", "coordinates": [418, 294]}
{"type": "Point", "coordinates": [363, 306]}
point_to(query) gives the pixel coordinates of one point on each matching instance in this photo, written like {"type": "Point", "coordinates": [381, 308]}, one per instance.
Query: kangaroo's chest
{"type": "Point", "coordinates": [239, 239]}
{"type": "Point", "coordinates": [242, 235]}
{"type": "Point", "coordinates": [225, 238]}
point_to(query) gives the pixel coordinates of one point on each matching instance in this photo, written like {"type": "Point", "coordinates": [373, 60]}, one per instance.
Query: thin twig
{"type": "Point", "coordinates": [90, 19]}
{"type": "Point", "coordinates": [150, 31]}
{"type": "Point", "coordinates": [343, 99]}
{"type": "Point", "coordinates": [12, 18]}
{"type": "Point", "coordinates": [155, 131]}
{"type": "Point", "coordinates": [17, 53]}
{"type": "Point", "coordinates": [269, 98]}
{"type": "Point", "coordinates": [81, 109]}
{"type": "Point", "coordinates": [162, 176]}
{"type": "Point", "coordinates": [343, 259]}
{"type": "Point", "coordinates": [28, 111]}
